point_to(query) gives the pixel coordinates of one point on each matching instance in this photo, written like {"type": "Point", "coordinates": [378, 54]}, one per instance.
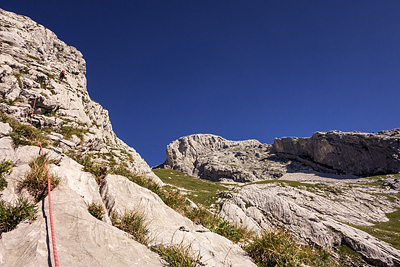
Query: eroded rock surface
{"type": "Point", "coordinates": [316, 212]}
{"type": "Point", "coordinates": [167, 226]}
{"type": "Point", "coordinates": [215, 158]}
{"type": "Point", "coordinates": [31, 59]}
{"type": "Point", "coordinates": [362, 154]}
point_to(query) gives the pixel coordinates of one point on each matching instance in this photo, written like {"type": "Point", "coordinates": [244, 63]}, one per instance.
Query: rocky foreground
{"type": "Point", "coordinates": [326, 209]}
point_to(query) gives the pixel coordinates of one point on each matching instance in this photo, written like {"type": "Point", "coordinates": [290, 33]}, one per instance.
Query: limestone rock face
{"type": "Point", "coordinates": [167, 226]}
{"type": "Point", "coordinates": [31, 59]}
{"type": "Point", "coordinates": [316, 215]}
{"type": "Point", "coordinates": [215, 158]}
{"type": "Point", "coordinates": [81, 239]}
{"type": "Point", "coordinates": [361, 154]}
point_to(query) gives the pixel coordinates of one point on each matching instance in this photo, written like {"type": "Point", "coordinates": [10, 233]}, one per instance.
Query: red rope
{"type": "Point", "coordinates": [53, 237]}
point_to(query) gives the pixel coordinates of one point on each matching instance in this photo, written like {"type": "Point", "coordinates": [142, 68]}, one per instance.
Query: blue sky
{"type": "Point", "coordinates": [251, 69]}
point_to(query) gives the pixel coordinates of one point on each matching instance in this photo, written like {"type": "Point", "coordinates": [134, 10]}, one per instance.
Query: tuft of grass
{"type": "Point", "coordinates": [349, 257]}
{"type": "Point", "coordinates": [278, 248]}
{"type": "Point", "coordinates": [96, 210]}
{"type": "Point", "coordinates": [12, 215]}
{"type": "Point", "coordinates": [5, 168]}
{"type": "Point", "coordinates": [18, 76]}
{"type": "Point", "coordinates": [33, 57]}
{"type": "Point", "coordinates": [23, 134]}
{"type": "Point", "coordinates": [179, 255]}
{"type": "Point", "coordinates": [218, 225]}
{"type": "Point", "coordinates": [134, 223]}
{"type": "Point", "coordinates": [36, 180]}
{"type": "Point", "coordinates": [200, 191]}
{"type": "Point", "coordinates": [68, 132]}
{"type": "Point", "coordinates": [89, 166]}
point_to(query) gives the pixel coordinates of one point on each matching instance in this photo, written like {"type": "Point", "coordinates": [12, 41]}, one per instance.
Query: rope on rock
{"type": "Point", "coordinates": [53, 237]}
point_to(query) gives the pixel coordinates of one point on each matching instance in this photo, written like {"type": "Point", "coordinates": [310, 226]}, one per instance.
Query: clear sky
{"type": "Point", "coordinates": [251, 69]}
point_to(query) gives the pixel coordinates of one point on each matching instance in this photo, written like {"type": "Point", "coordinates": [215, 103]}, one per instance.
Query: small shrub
{"type": "Point", "coordinates": [134, 223]}
{"type": "Point", "coordinates": [179, 255]}
{"type": "Point", "coordinates": [96, 210]}
{"type": "Point", "coordinates": [278, 248]}
{"type": "Point", "coordinates": [36, 180]}
{"type": "Point", "coordinates": [12, 215]}
{"type": "Point", "coordinates": [5, 168]}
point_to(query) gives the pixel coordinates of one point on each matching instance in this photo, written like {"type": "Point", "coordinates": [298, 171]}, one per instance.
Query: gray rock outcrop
{"type": "Point", "coordinates": [169, 227]}
{"type": "Point", "coordinates": [317, 215]}
{"type": "Point", "coordinates": [81, 239]}
{"type": "Point", "coordinates": [215, 158]}
{"type": "Point", "coordinates": [31, 59]}
{"type": "Point", "coordinates": [361, 154]}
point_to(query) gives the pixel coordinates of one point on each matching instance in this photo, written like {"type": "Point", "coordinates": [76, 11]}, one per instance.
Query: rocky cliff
{"type": "Point", "coordinates": [361, 154]}
{"type": "Point", "coordinates": [215, 158]}
{"type": "Point", "coordinates": [72, 126]}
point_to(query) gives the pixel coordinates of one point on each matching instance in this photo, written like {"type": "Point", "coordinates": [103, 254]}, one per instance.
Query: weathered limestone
{"type": "Point", "coordinates": [167, 226]}
{"type": "Point", "coordinates": [362, 154]}
{"type": "Point", "coordinates": [314, 214]}
{"type": "Point", "coordinates": [81, 239]}
{"type": "Point", "coordinates": [31, 59]}
{"type": "Point", "coordinates": [215, 158]}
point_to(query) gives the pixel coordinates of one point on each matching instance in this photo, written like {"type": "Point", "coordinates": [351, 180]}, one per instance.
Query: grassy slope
{"type": "Point", "coordinates": [199, 191]}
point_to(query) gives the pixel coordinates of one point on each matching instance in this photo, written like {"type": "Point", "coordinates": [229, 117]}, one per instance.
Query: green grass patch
{"type": "Point", "coordinates": [349, 257]}
{"type": "Point", "coordinates": [200, 191]}
{"type": "Point", "coordinates": [68, 132]}
{"type": "Point", "coordinates": [218, 225]}
{"type": "Point", "coordinates": [134, 223]}
{"type": "Point", "coordinates": [278, 248]}
{"type": "Point", "coordinates": [179, 255]}
{"type": "Point", "coordinates": [12, 215]}
{"type": "Point", "coordinates": [96, 210]}
{"type": "Point", "coordinates": [99, 171]}
{"type": "Point", "coordinates": [36, 180]}
{"type": "Point", "coordinates": [387, 231]}
{"type": "Point", "coordinates": [5, 169]}
{"type": "Point", "coordinates": [24, 134]}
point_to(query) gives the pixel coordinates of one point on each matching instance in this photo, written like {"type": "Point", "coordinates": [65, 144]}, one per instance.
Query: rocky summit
{"type": "Point", "coordinates": [110, 209]}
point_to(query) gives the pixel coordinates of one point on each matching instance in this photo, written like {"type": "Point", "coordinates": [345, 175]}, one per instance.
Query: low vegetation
{"type": "Point", "coordinates": [96, 210]}
{"type": "Point", "coordinates": [134, 223]}
{"type": "Point", "coordinates": [387, 231]}
{"type": "Point", "coordinates": [12, 215]}
{"type": "Point", "coordinates": [23, 134]}
{"type": "Point", "coordinates": [200, 191]}
{"type": "Point", "coordinates": [179, 255]}
{"type": "Point", "coordinates": [68, 132]}
{"type": "Point", "coordinates": [36, 180]}
{"type": "Point", "coordinates": [218, 225]}
{"type": "Point", "coordinates": [278, 248]}
{"type": "Point", "coordinates": [5, 169]}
